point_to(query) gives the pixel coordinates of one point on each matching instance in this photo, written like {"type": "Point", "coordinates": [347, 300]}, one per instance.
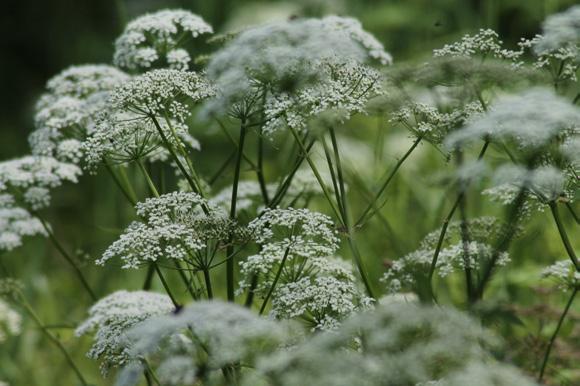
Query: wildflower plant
{"type": "Point", "coordinates": [287, 220]}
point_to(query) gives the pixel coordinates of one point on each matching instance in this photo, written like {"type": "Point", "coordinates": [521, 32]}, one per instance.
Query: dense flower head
{"type": "Point", "coordinates": [399, 344]}
{"type": "Point", "coordinates": [10, 321]}
{"type": "Point", "coordinates": [68, 111]}
{"type": "Point", "coordinates": [172, 226]}
{"type": "Point", "coordinates": [531, 119]}
{"type": "Point", "coordinates": [16, 223]}
{"type": "Point", "coordinates": [154, 40]}
{"type": "Point", "coordinates": [564, 273]}
{"type": "Point", "coordinates": [200, 339]}
{"type": "Point", "coordinates": [112, 316]}
{"type": "Point", "coordinates": [454, 255]}
{"type": "Point", "coordinates": [278, 59]}
{"type": "Point", "coordinates": [162, 93]}
{"type": "Point", "coordinates": [561, 62]}
{"type": "Point", "coordinates": [31, 178]}
{"type": "Point", "coordinates": [325, 295]}
{"type": "Point", "coordinates": [560, 30]}
{"type": "Point", "coordinates": [484, 43]}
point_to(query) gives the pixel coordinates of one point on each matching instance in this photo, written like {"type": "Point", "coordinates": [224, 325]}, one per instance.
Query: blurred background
{"type": "Point", "coordinates": [42, 37]}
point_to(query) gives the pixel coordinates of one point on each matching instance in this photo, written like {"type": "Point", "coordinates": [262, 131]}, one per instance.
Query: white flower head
{"type": "Point", "coordinates": [112, 316]}
{"type": "Point", "coordinates": [10, 321]}
{"type": "Point", "coordinates": [531, 119]}
{"type": "Point", "coordinates": [564, 273]}
{"type": "Point", "coordinates": [16, 223]}
{"type": "Point", "coordinates": [155, 39]}
{"type": "Point", "coordinates": [560, 31]}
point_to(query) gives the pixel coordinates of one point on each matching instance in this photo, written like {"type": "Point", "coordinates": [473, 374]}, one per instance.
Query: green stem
{"type": "Point", "coordinates": [54, 340]}
{"type": "Point", "coordinates": [230, 264]}
{"type": "Point", "coordinates": [555, 334]}
{"type": "Point", "coordinates": [564, 235]}
{"type": "Point", "coordinates": [129, 194]}
{"type": "Point", "coordinates": [365, 215]}
{"type": "Point", "coordinates": [150, 183]}
{"type": "Point", "coordinates": [260, 169]}
{"type": "Point", "coordinates": [166, 286]}
{"type": "Point", "coordinates": [207, 279]}
{"type": "Point", "coordinates": [67, 257]}
{"type": "Point", "coordinates": [276, 278]}
{"type": "Point", "coordinates": [574, 215]}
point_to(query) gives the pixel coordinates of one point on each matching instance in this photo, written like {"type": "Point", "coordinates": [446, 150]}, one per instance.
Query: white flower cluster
{"type": "Point", "coordinates": [31, 177]}
{"type": "Point", "coordinates": [531, 119]}
{"type": "Point", "coordinates": [564, 273]}
{"type": "Point", "coordinates": [323, 297]}
{"type": "Point", "coordinates": [156, 39]}
{"type": "Point", "coordinates": [342, 87]}
{"type": "Point", "coordinates": [279, 59]}
{"type": "Point", "coordinates": [16, 223]}
{"type": "Point", "coordinates": [454, 255]}
{"type": "Point", "coordinates": [200, 339]}
{"type": "Point", "coordinates": [10, 321]}
{"type": "Point", "coordinates": [110, 319]}
{"type": "Point", "coordinates": [172, 226]}
{"type": "Point", "coordinates": [67, 112]}
{"type": "Point", "coordinates": [562, 62]}
{"type": "Point", "coordinates": [162, 93]}
{"type": "Point", "coordinates": [399, 344]}
{"type": "Point", "coordinates": [429, 122]}
{"type": "Point", "coordinates": [560, 30]}
{"type": "Point", "coordinates": [484, 43]}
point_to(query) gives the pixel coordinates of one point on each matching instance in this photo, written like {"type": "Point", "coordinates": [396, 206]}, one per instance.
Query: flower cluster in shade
{"type": "Point", "coordinates": [67, 112]}
{"type": "Point", "coordinates": [10, 321]}
{"type": "Point", "coordinates": [157, 40]}
{"type": "Point", "coordinates": [564, 274]}
{"type": "Point", "coordinates": [30, 178]}
{"type": "Point", "coordinates": [145, 114]}
{"type": "Point", "coordinates": [394, 344]}
{"type": "Point", "coordinates": [16, 223]}
{"type": "Point", "coordinates": [198, 342]}
{"type": "Point", "coordinates": [455, 254]}
{"type": "Point", "coordinates": [172, 226]}
{"type": "Point", "coordinates": [296, 69]}
{"type": "Point", "coordinates": [112, 317]}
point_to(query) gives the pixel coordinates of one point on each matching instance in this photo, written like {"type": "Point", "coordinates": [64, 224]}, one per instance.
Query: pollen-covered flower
{"type": "Point", "coordinates": [276, 62]}
{"type": "Point", "coordinates": [30, 178]}
{"type": "Point", "coordinates": [155, 40]}
{"type": "Point", "coordinates": [16, 223]}
{"type": "Point", "coordinates": [530, 119]}
{"type": "Point", "coordinates": [200, 340]}
{"type": "Point", "coordinates": [110, 319]}
{"type": "Point", "coordinates": [68, 110]}
{"type": "Point", "coordinates": [564, 273]}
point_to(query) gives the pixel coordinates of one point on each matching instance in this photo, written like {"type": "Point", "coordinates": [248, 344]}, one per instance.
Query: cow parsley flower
{"type": "Point", "coordinates": [67, 112]}
{"type": "Point", "coordinates": [112, 316]}
{"type": "Point", "coordinates": [172, 226]}
{"type": "Point", "coordinates": [560, 30]}
{"type": "Point", "coordinates": [327, 294]}
{"type": "Point", "coordinates": [484, 43]}
{"type": "Point", "coordinates": [398, 344]}
{"type": "Point", "coordinates": [155, 39]}
{"type": "Point", "coordinates": [31, 177]}
{"type": "Point", "coordinates": [10, 321]}
{"type": "Point", "coordinates": [531, 119]}
{"type": "Point", "coordinates": [16, 223]}
{"type": "Point", "coordinates": [454, 255]}
{"type": "Point", "coordinates": [277, 60]}
{"type": "Point", "coordinates": [564, 273]}
{"type": "Point", "coordinates": [201, 339]}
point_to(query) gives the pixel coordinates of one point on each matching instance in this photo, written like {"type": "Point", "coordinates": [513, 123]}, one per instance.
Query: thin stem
{"type": "Point", "coordinates": [207, 279]}
{"type": "Point", "coordinates": [564, 235]}
{"type": "Point", "coordinates": [555, 334]}
{"type": "Point", "coordinates": [129, 194]}
{"type": "Point", "coordinates": [260, 169]}
{"type": "Point", "coordinates": [366, 215]}
{"type": "Point", "coordinates": [166, 286]}
{"type": "Point", "coordinates": [230, 264]}
{"type": "Point", "coordinates": [574, 215]}
{"type": "Point", "coordinates": [150, 183]}
{"type": "Point", "coordinates": [67, 257]}
{"type": "Point", "coordinates": [276, 278]}
{"type": "Point", "coordinates": [54, 340]}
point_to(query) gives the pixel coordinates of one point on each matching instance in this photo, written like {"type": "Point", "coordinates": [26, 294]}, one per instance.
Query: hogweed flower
{"type": "Point", "coordinates": [156, 39]}
{"type": "Point", "coordinates": [202, 338]}
{"type": "Point", "coordinates": [564, 273]}
{"type": "Point", "coordinates": [31, 178]}
{"type": "Point", "coordinates": [112, 317]}
{"type": "Point", "coordinates": [68, 111]}
{"type": "Point", "coordinates": [16, 223]}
